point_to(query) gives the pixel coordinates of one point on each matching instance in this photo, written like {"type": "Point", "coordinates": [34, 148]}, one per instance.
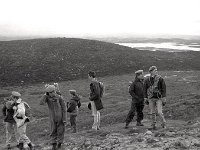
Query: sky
{"type": "Point", "coordinates": [99, 17]}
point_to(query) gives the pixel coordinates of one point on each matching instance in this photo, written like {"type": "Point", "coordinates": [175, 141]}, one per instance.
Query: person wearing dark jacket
{"type": "Point", "coordinates": [155, 95]}
{"type": "Point", "coordinates": [95, 99]}
{"type": "Point", "coordinates": [137, 104]}
{"type": "Point", "coordinates": [73, 107]}
{"type": "Point", "coordinates": [8, 114]}
{"type": "Point", "coordinates": [57, 115]}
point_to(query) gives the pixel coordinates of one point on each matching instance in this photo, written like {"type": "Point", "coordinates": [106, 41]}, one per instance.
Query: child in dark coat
{"type": "Point", "coordinates": [72, 108]}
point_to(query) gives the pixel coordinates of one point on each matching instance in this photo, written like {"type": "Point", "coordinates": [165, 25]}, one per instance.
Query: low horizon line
{"type": "Point", "coordinates": [24, 37]}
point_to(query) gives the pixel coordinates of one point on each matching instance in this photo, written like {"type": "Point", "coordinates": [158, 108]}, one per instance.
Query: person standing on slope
{"type": "Point", "coordinates": [95, 99]}
{"type": "Point", "coordinates": [137, 104]}
{"type": "Point", "coordinates": [73, 108]}
{"type": "Point", "coordinates": [155, 95]}
{"type": "Point", "coordinates": [8, 113]}
{"type": "Point", "coordinates": [21, 120]}
{"type": "Point", "coordinates": [57, 115]}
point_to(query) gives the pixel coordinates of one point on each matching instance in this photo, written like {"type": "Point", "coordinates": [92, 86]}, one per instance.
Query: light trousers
{"type": "Point", "coordinates": [10, 127]}
{"type": "Point", "coordinates": [22, 134]}
{"type": "Point", "coordinates": [153, 105]}
{"type": "Point", "coordinates": [96, 114]}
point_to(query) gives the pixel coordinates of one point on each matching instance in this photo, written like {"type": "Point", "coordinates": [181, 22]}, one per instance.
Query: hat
{"type": "Point", "coordinates": [73, 92]}
{"type": "Point", "coordinates": [152, 68]}
{"type": "Point", "coordinates": [50, 88]}
{"type": "Point", "coordinates": [139, 72]}
{"type": "Point", "coordinates": [92, 74]}
{"type": "Point", "coordinates": [17, 94]}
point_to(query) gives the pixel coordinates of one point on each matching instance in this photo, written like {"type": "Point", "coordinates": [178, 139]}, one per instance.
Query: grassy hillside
{"type": "Point", "coordinates": [58, 59]}
{"type": "Point", "coordinates": [182, 103]}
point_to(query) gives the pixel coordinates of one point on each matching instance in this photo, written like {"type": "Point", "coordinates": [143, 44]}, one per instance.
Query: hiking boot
{"type": "Point", "coordinates": [139, 124]}
{"type": "Point", "coordinates": [8, 146]}
{"type": "Point", "coordinates": [54, 146]}
{"type": "Point", "coordinates": [21, 146]}
{"type": "Point", "coordinates": [74, 130]}
{"type": "Point", "coordinates": [30, 146]}
{"type": "Point", "coordinates": [126, 126]}
{"type": "Point", "coordinates": [94, 128]}
{"type": "Point", "coordinates": [163, 125]}
{"type": "Point", "coordinates": [59, 146]}
{"type": "Point", "coordinates": [153, 126]}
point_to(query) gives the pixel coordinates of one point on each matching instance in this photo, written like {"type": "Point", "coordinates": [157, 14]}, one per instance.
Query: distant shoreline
{"type": "Point", "coordinates": [163, 46]}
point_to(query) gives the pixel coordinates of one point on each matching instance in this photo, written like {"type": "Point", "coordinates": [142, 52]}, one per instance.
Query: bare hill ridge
{"type": "Point", "coordinates": [59, 59]}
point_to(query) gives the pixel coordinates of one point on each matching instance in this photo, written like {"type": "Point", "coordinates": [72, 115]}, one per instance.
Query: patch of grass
{"type": "Point", "coordinates": [61, 59]}
{"type": "Point", "coordinates": [182, 102]}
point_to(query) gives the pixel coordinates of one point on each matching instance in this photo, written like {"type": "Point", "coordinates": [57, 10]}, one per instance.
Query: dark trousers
{"type": "Point", "coordinates": [57, 132]}
{"type": "Point", "coordinates": [135, 107]}
{"type": "Point", "coordinates": [73, 120]}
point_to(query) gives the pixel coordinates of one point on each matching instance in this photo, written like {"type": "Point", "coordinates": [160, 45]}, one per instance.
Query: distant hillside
{"type": "Point", "coordinates": [58, 59]}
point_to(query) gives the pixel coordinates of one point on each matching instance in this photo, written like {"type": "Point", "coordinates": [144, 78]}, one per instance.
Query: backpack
{"type": "Point", "coordinates": [102, 89]}
{"type": "Point", "coordinates": [153, 89]}
{"type": "Point", "coordinates": [27, 110]}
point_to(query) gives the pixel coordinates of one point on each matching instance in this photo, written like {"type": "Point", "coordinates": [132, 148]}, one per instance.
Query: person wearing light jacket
{"type": "Point", "coordinates": [21, 121]}
{"type": "Point", "coordinates": [155, 95]}
{"type": "Point", "coordinates": [57, 115]}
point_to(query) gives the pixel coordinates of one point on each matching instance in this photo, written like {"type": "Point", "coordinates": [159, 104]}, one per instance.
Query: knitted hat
{"type": "Point", "coordinates": [152, 68]}
{"type": "Point", "coordinates": [50, 88]}
{"type": "Point", "coordinates": [92, 74]}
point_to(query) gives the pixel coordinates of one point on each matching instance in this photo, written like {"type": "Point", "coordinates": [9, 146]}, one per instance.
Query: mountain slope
{"type": "Point", "coordinates": [58, 59]}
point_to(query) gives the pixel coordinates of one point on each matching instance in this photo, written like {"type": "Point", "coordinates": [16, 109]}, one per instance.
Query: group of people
{"type": "Point", "coordinates": [151, 91]}
{"type": "Point", "coordinates": [16, 117]}
{"type": "Point", "coordinates": [17, 114]}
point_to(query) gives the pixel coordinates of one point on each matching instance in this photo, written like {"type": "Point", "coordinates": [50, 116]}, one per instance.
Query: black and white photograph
{"type": "Point", "coordinates": [100, 74]}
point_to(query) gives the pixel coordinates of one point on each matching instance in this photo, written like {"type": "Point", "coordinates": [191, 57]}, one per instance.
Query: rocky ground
{"type": "Point", "coordinates": [178, 135]}
{"type": "Point", "coordinates": [181, 112]}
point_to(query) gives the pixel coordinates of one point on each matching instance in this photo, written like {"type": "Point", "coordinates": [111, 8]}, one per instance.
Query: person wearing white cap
{"type": "Point", "coordinates": [155, 95]}
{"type": "Point", "coordinates": [57, 115]}
{"type": "Point", "coordinates": [11, 126]}
{"type": "Point", "coordinates": [137, 105]}
{"type": "Point", "coordinates": [21, 120]}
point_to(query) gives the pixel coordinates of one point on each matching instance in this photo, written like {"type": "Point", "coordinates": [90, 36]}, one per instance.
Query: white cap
{"type": "Point", "coordinates": [139, 72]}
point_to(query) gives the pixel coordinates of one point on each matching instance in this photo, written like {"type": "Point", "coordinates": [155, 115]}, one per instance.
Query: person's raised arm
{"type": "Point", "coordinates": [43, 100]}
